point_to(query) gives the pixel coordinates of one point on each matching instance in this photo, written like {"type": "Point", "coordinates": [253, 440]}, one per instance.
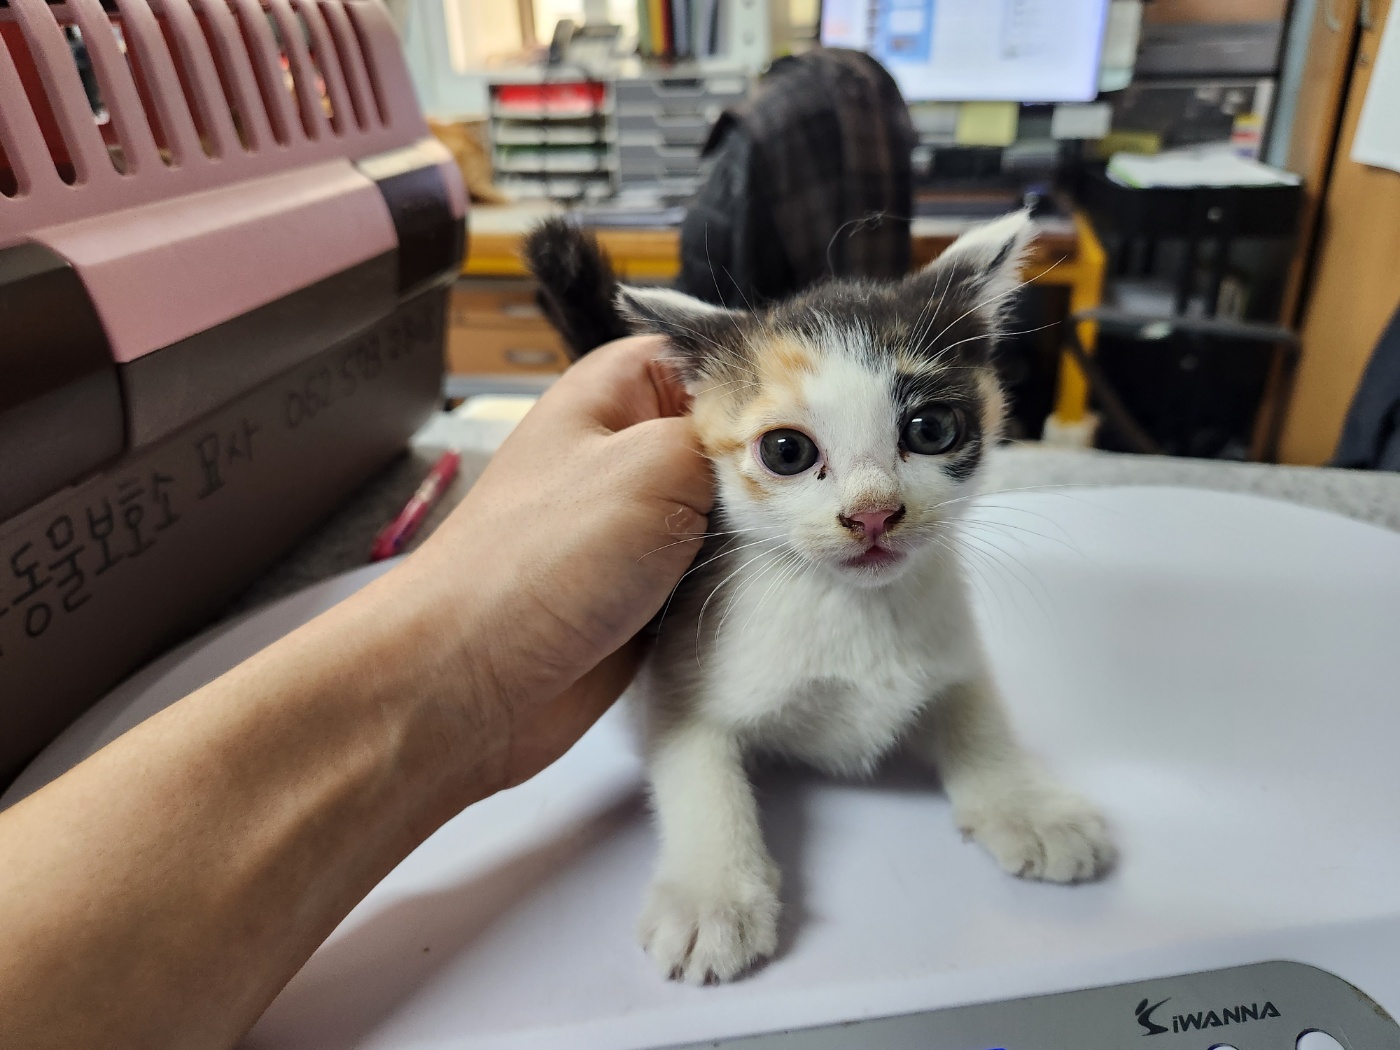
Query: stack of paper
{"type": "Point", "coordinates": [1191, 168]}
{"type": "Point", "coordinates": [1377, 139]}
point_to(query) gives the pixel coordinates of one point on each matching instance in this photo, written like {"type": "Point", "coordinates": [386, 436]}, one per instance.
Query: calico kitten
{"type": "Point", "coordinates": [827, 618]}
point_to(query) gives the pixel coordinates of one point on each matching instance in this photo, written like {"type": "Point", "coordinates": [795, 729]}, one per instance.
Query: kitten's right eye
{"type": "Point", "coordinates": [787, 452]}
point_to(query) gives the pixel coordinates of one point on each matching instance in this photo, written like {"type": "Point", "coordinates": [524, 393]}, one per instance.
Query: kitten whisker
{"type": "Point", "coordinates": [792, 560]}
{"type": "Point", "coordinates": [999, 295]}
{"type": "Point", "coordinates": [719, 295]}
{"type": "Point", "coordinates": [700, 617]}
{"type": "Point", "coordinates": [963, 559]}
{"type": "Point", "coordinates": [705, 536]}
{"type": "Point", "coordinates": [738, 288]}
{"type": "Point", "coordinates": [1003, 492]}
{"type": "Point", "coordinates": [942, 297]}
{"type": "Point", "coordinates": [677, 326]}
{"type": "Point", "coordinates": [994, 525]}
{"type": "Point", "coordinates": [918, 320]}
{"type": "Point", "coordinates": [936, 299]}
{"type": "Point", "coordinates": [989, 549]}
{"type": "Point", "coordinates": [962, 556]}
{"type": "Point", "coordinates": [748, 585]}
{"type": "Point", "coordinates": [700, 564]}
{"type": "Point", "coordinates": [723, 551]}
{"type": "Point", "coordinates": [1064, 542]}
{"type": "Point", "coordinates": [993, 576]}
{"type": "Point", "coordinates": [998, 335]}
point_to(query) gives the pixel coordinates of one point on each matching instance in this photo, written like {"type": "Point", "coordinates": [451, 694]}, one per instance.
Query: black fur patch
{"type": "Point", "coordinates": [705, 341]}
{"type": "Point", "coordinates": [966, 460]}
{"type": "Point", "coordinates": [931, 316]}
{"type": "Point", "coordinates": [577, 285]}
{"type": "Point", "coordinates": [956, 386]}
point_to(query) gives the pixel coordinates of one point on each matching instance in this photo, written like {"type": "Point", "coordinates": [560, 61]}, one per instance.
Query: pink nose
{"type": "Point", "coordinates": [873, 523]}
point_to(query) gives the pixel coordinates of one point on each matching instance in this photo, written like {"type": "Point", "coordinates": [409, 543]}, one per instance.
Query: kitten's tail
{"type": "Point", "coordinates": [578, 289]}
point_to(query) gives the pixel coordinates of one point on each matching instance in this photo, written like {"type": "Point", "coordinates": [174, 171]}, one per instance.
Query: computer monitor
{"type": "Point", "coordinates": [977, 50]}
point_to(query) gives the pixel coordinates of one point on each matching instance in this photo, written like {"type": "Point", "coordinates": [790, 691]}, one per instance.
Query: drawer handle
{"type": "Point", "coordinates": [521, 310]}
{"type": "Point", "coordinates": [531, 358]}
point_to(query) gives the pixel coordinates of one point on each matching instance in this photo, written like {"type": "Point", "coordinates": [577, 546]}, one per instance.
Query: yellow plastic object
{"type": "Point", "coordinates": [1085, 280]}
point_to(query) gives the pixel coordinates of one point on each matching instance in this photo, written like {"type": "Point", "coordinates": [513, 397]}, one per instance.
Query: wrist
{"type": "Point", "coordinates": [420, 638]}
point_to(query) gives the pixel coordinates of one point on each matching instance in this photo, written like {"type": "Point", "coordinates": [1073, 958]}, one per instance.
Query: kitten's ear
{"type": "Point", "coordinates": [701, 335]}
{"type": "Point", "coordinates": [983, 265]}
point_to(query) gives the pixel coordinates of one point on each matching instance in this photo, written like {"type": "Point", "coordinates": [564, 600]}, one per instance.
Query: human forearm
{"type": "Point", "coordinates": [160, 893]}
{"type": "Point", "coordinates": [173, 883]}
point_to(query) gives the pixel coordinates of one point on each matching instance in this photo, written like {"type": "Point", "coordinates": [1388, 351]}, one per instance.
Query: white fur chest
{"type": "Point", "coordinates": [831, 673]}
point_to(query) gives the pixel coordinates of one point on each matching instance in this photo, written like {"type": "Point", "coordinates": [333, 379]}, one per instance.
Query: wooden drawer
{"type": "Point", "coordinates": [495, 350]}
{"type": "Point", "coordinates": [496, 304]}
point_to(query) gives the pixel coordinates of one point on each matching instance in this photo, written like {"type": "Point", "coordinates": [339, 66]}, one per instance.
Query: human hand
{"type": "Point", "coordinates": [571, 540]}
{"type": "Point", "coordinates": [271, 800]}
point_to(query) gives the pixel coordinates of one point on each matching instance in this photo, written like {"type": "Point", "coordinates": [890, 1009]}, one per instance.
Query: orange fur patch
{"type": "Point", "coordinates": [729, 415]}
{"type": "Point", "coordinates": [713, 413]}
{"type": "Point", "coordinates": [755, 490]}
{"type": "Point", "coordinates": [783, 365]}
{"type": "Point", "coordinates": [993, 407]}
{"type": "Point", "coordinates": [783, 359]}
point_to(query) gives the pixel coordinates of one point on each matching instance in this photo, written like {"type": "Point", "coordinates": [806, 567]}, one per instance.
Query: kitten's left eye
{"type": "Point", "coordinates": [933, 430]}
{"type": "Point", "coordinates": [787, 452]}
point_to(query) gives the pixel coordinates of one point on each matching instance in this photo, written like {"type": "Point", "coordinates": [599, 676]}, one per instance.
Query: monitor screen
{"type": "Point", "coordinates": [977, 50]}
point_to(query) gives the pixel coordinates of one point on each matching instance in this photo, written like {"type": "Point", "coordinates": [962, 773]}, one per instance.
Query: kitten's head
{"type": "Point", "coordinates": [844, 423]}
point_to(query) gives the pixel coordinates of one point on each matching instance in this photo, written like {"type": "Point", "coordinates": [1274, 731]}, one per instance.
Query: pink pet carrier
{"type": "Point", "coordinates": [225, 242]}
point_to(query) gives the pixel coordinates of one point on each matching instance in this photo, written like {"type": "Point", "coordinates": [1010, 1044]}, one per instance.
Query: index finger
{"type": "Point", "coordinates": [620, 384]}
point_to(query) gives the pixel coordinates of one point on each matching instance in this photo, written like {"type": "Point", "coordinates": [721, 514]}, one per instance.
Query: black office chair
{"type": "Point", "coordinates": [1371, 434]}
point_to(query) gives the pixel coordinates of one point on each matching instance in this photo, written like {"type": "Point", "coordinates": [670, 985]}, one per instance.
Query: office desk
{"type": "Point", "coordinates": [496, 326]}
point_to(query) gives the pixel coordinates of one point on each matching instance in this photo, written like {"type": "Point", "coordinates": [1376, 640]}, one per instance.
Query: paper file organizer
{"type": "Point", "coordinates": [224, 254]}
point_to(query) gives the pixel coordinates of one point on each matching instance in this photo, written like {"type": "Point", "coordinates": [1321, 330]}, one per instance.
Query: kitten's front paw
{"type": "Point", "coordinates": [703, 933]}
{"type": "Point", "coordinates": [1039, 830]}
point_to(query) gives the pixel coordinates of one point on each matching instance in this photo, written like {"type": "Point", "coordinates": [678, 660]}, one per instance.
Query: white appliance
{"type": "Point", "coordinates": [1219, 671]}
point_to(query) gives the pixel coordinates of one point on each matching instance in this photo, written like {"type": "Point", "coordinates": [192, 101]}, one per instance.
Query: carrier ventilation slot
{"type": "Point", "coordinates": [367, 54]}
{"type": "Point", "coordinates": [32, 101]}
{"type": "Point", "coordinates": [312, 54]}
{"type": "Point", "coordinates": [351, 61]}
{"type": "Point", "coordinates": [107, 96]}
{"type": "Point", "coordinates": [237, 95]}
{"type": "Point", "coordinates": [9, 184]}
{"type": "Point", "coordinates": [273, 83]}
{"type": "Point", "coordinates": [144, 94]}
{"type": "Point", "coordinates": [180, 54]}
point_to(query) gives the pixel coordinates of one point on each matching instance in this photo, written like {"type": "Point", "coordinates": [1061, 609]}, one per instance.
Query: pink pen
{"type": "Point", "coordinates": [394, 537]}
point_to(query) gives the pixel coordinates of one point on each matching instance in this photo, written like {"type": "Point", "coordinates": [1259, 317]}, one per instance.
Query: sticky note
{"type": "Point", "coordinates": [1089, 121]}
{"type": "Point", "coordinates": [1146, 142]}
{"type": "Point", "coordinates": [987, 123]}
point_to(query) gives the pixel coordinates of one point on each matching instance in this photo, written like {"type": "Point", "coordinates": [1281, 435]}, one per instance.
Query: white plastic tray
{"type": "Point", "coordinates": [1221, 672]}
